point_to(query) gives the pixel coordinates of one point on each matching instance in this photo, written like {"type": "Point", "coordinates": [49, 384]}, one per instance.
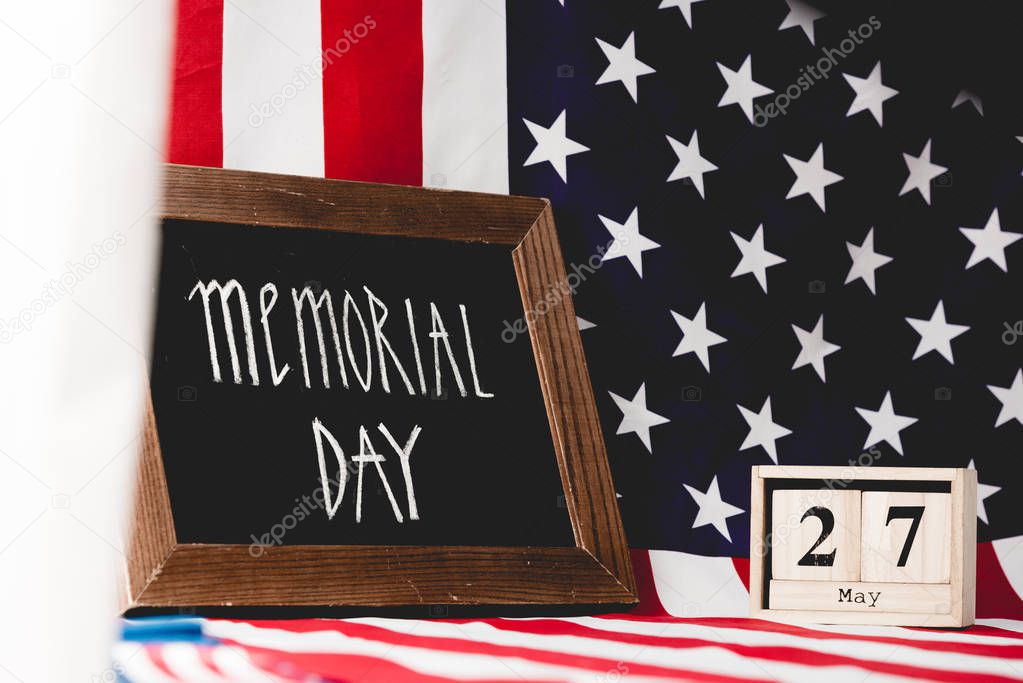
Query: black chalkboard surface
{"type": "Point", "coordinates": [240, 452]}
{"type": "Point", "coordinates": [367, 396]}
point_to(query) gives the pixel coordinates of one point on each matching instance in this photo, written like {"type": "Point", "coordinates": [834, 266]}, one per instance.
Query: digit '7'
{"type": "Point", "coordinates": [913, 512]}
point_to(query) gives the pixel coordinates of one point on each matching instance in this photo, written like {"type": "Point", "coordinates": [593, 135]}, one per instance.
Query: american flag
{"type": "Point", "coordinates": [806, 253]}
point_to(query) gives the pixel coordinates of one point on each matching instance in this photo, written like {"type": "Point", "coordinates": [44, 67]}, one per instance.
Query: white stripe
{"type": "Point", "coordinates": [184, 662]}
{"type": "Point", "coordinates": [944, 636]}
{"type": "Point", "coordinates": [708, 659]}
{"type": "Point", "coordinates": [860, 649]}
{"type": "Point", "coordinates": [272, 89]}
{"type": "Point", "coordinates": [133, 662]}
{"type": "Point", "coordinates": [458, 665]}
{"type": "Point", "coordinates": [698, 586]}
{"type": "Point", "coordinates": [465, 95]}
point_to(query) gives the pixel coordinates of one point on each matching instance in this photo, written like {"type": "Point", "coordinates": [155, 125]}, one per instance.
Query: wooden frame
{"type": "Point", "coordinates": [595, 572]}
{"type": "Point", "coordinates": [956, 608]}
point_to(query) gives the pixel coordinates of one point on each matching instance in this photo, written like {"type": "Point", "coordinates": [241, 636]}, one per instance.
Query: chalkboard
{"type": "Point", "coordinates": [240, 450]}
{"type": "Point", "coordinates": [367, 395]}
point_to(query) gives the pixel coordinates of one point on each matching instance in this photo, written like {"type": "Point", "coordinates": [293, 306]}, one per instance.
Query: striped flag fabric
{"type": "Point", "coordinates": [815, 264]}
{"type": "Point", "coordinates": [600, 648]}
{"type": "Point", "coordinates": [383, 91]}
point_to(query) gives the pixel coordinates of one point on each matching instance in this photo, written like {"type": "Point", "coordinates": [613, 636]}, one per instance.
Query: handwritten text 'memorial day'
{"type": "Point", "coordinates": [361, 349]}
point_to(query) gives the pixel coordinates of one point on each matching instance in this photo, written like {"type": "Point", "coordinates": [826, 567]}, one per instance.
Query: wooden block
{"type": "Point", "coordinates": [964, 544]}
{"type": "Point", "coordinates": [815, 535]}
{"type": "Point", "coordinates": [914, 598]}
{"type": "Point", "coordinates": [935, 587]}
{"type": "Point", "coordinates": [906, 537]}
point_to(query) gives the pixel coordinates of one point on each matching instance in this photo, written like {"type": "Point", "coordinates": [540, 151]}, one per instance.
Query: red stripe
{"type": "Point", "coordinates": [155, 654]}
{"type": "Point", "coordinates": [649, 601]}
{"type": "Point", "coordinates": [1009, 650]}
{"type": "Point", "coordinates": [996, 598]}
{"type": "Point", "coordinates": [196, 121]}
{"type": "Point", "coordinates": [741, 565]}
{"type": "Point", "coordinates": [373, 90]}
{"type": "Point", "coordinates": [469, 646]}
{"type": "Point", "coordinates": [206, 657]}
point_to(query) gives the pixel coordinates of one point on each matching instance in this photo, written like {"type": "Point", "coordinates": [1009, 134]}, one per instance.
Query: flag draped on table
{"type": "Point", "coordinates": [789, 250]}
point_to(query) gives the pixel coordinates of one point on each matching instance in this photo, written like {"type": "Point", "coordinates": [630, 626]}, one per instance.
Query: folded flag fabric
{"type": "Point", "coordinates": [604, 648]}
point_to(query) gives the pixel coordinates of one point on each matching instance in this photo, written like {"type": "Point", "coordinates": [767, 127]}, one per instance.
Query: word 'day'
{"type": "Point", "coordinates": [334, 491]}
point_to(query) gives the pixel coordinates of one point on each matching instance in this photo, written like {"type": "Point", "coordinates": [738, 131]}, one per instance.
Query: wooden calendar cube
{"type": "Point", "coordinates": [906, 537]}
{"type": "Point", "coordinates": [815, 535]}
{"type": "Point", "coordinates": [871, 545]}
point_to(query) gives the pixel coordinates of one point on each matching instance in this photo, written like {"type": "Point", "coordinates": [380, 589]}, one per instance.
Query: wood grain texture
{"type": "Point", "coordinates": [842, 472]}
{"type": "Point", "coordinates": [568, 395]}
{"type": "Point", "coordinates": [152, 538]}
{"type": "Point", "coordinates": [916, 598]}
{"type": "Point", "coordinates": [597, 571]}
{"type": "Point", "coordinates": [864, 618]}
{"type": "Point", "coordinates": [758, 540]}
{"type": "Point", "coordinates": [964, 545]}
{"type": "Point", "coordinates": [222, 575]}
{"type": "Point", "coordinates": [274, 200]}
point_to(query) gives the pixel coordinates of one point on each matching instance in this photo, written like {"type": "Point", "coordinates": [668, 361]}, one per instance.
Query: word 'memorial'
{"type": "Point", "coordinates": [353, 332]}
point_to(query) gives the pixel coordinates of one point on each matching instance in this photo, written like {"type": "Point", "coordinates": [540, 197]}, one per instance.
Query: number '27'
{"type": "Point", "coordinates": [827, 519]}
